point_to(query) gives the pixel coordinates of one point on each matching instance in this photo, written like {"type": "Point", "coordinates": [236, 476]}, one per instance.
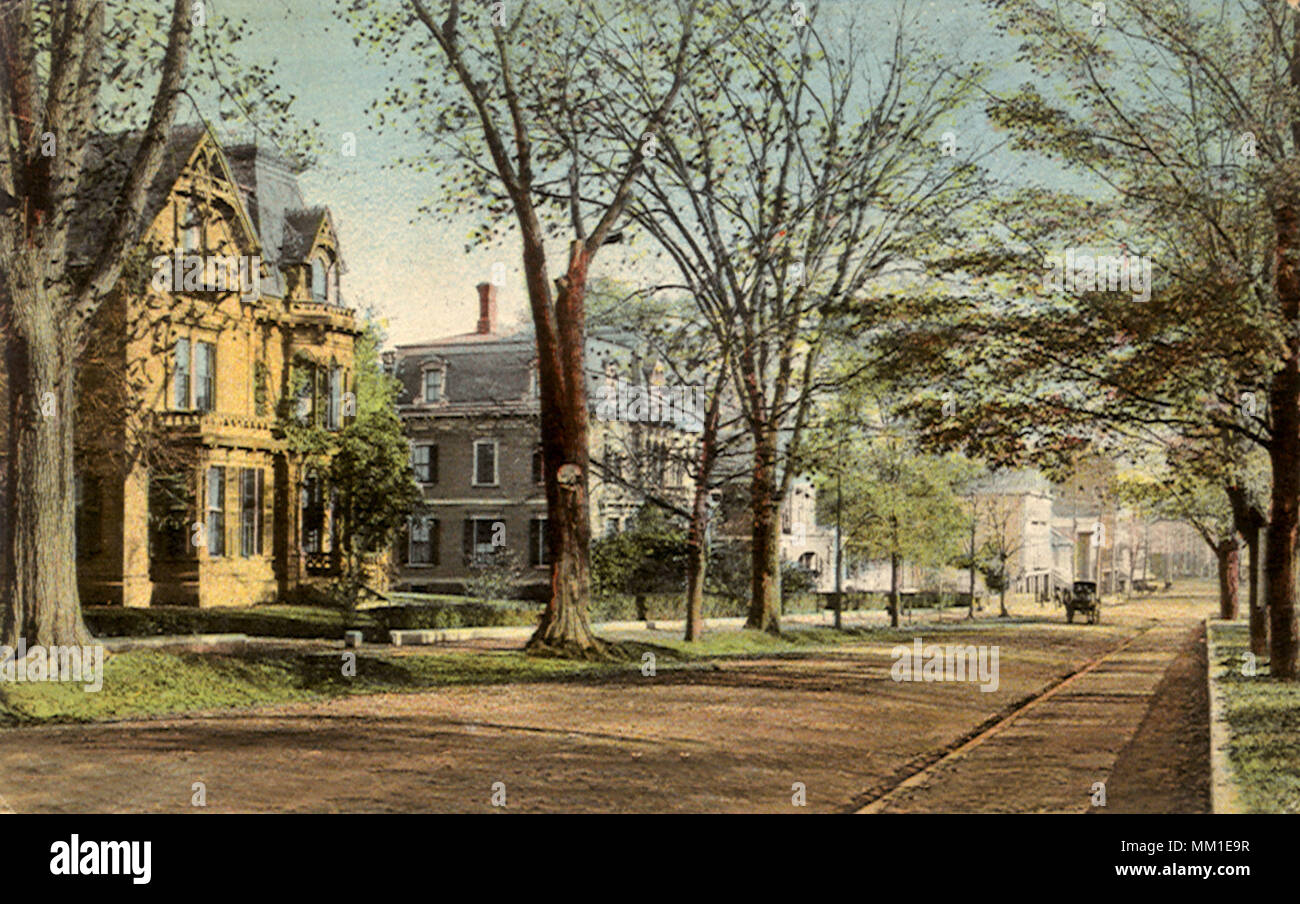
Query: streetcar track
{"type": "Point", "coordinates": [921, 769]}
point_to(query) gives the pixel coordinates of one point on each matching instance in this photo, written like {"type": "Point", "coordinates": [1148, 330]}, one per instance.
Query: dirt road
{"type": "Point", "coordinates": [829, 727]}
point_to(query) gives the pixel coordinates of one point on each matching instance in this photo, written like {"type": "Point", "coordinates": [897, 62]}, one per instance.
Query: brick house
{"type": "Point", "coordinates": [187, 493]}
{"type": "Point", "coordinates": [470, 405]}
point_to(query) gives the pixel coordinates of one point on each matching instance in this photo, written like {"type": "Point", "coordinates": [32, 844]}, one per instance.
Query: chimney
{"type": "Point", "coordinates": [487, 309]}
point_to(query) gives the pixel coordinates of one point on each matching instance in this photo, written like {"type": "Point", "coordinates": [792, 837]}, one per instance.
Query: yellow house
{"type": "Point", "coordinates": [227, 320]}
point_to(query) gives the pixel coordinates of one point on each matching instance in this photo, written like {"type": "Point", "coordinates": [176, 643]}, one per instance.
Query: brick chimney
{"type": "Point", "coordinates": [487, 308]}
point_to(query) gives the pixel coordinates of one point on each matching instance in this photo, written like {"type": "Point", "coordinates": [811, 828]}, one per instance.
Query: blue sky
{"type": "Point", "coordinates": [416, 273]}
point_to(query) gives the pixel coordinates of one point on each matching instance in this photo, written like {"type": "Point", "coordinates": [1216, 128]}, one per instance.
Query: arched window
{"type": "Point", "coordinates": [332, 284]}
{"type": "Point", "coordinates": [317, 279]}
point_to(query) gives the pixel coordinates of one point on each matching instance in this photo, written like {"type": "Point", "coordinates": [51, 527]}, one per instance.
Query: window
{"type": "Point", "coordinates": [613, 461]}
{"type": "Point", "coordinates": [216, 511]}
{"type": "Point", "coordinates": [305, 409]}
{"type": "Point", "coordinates": [424, 459]}
{"type": "Point", "coordinates": [485, 463]}
{"type": "Point", "coordinates": [333, 414]}
{"type": "Point", "coordinates": [433, 386]}
{"type": "Point", "coordinates": [250, 512]}
{"type": "Point", "coordinates": [479, 536]}
{"type": "Point", "coordinates": [181, 365]}
{"type": "Point", "coordinates": [205, 376]}
{"type": "Point", "coordinates": [192, 228]}
{"type": "Point", "coordinates": [332, 284]}
{"type": "Point", "coordinates": [425, 540]}
{"type": "Point", "coordinates": [318, 279]}
{"type": "Point", "coordinates": [313, 514]}
{"type": "Point", "coordinates": [539, 466]}
{"type": "Point", "coordinates": [539, 550]}
{"type": "Point", "coordinates": [171, 498]}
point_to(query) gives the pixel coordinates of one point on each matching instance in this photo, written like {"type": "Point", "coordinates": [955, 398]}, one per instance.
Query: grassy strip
{"type": "Point", "coordinates": [156, 682]}
{"type": "Point", "coordinates": [144, 683]}
{"type": "Point", "coordinates": [1264, 717]}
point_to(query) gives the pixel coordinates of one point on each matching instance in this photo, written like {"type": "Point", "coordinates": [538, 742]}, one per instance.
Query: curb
{"type": "Point", "coordinates": [1224, 797]}
{"type": "Point", "coordinates": [192, 643]}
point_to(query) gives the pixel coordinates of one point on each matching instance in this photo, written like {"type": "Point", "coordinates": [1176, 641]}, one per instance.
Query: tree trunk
{"type": "Point", "coordinates": [697, 553]}
{"type": "Point", "coordinates": [1284, 451]}
{"type": "Point", "coordinates": [1229, 558]}
{"type": "Point", "coordinates": [893, 590]}
{"type": "Point", "coordinates": [1002, 592]}
{"type": "Point", "coordinates": [1247, 520]}
{"type": "Point", "coordinates": [971, 612]}
{"type": "Point", "coordinates": [765, 583]}
{"type": "Point", "coordinates": [44, 608]}
{"type": "Point", "coordinates": [697, 560]}
{"type": "Point", "coordinates": [564, 627]}
{"type": "Point", "coordinates": [1258, 612]}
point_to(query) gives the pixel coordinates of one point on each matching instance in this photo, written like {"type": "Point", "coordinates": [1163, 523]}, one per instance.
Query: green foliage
{"type": "Point", "coordinates": [494, 577]}
{"type": "Point", "coordinates": [366, 463]}
{"type": "Point", "coordinates": [730, 573]}
{"type": "Point", "coordinates": [371, 473]}
{"type": "Point", "coordinates": [897, 500]}
{"type": "Point", "coordinates": [376, 390]}
{"type": "Point", "coordinates": [650, 557]}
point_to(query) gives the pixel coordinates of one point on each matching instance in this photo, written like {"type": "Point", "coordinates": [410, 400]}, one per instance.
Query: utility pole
{"type": "Point", "coordinates": [839, 537]}
{"type": "Point", "coordinates": [973, 519]}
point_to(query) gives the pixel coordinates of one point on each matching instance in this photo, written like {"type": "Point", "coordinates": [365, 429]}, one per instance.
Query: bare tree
{"type": "Point", "coordinates": [796, 173]}
{"type": "Point", "coordinates": [1004, 538]}
{"type": "Point", "coordinates": [522, 82]}
{"type": "Point", "coordinates": [50, 83]}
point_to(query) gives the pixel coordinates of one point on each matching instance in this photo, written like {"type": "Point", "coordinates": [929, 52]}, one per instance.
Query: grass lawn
{"type": "Point", "coordinates": [142, 683]}
{"type": "Point", "coordinates": [1264, 717]}
{"type": "Point", "coordinates": [152, 682]}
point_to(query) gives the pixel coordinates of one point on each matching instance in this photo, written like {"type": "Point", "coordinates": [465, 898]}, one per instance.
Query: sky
{"type": "Point", "coordinates": [415, 273]}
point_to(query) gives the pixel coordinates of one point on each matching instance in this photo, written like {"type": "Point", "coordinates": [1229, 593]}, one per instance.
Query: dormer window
{"type": "Point", "coordinates": [318, 282]}
{"type": "Point", "coordinates": [433, 385]}
{"type": "Point", "coordinates": [332, 284]}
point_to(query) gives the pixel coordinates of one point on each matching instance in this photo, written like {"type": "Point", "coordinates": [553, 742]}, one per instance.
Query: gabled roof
{"type": "Point", "coordinates": [108, 160]}
{"type": "Point", "coordinates": [286, 225]}
{"type": "Point", "coordinates": [273, 209]}
{"type": "Point", "coordinates": [300, 230]}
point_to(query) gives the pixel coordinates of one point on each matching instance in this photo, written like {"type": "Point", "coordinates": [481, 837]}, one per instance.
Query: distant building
{"type": "Point", "coordinates": [470, 405]}
{"type": "Point", "coordinates": [1014, 512]}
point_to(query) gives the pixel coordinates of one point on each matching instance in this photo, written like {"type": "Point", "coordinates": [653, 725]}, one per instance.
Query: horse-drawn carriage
{"type": "Point", "coordinates": [1084, 599]}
